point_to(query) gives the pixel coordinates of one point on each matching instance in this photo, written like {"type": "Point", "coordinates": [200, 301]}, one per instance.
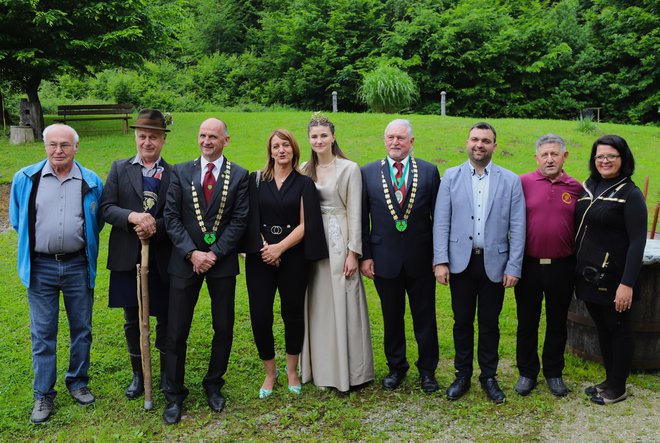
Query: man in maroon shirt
{"type": "Point", "coordinates": [548, 266]}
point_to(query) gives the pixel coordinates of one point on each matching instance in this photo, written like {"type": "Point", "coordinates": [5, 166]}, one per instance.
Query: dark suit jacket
{"type": "Point", "coordinates": [183, 227]}
{"type": "Point", "coordinates": [390, 249]}
{"type": "Point", "coordinates": [122, 194]}
{"type": "Point", "coordinates": [295, 187]}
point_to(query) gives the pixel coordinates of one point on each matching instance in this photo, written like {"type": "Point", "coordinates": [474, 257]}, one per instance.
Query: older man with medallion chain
{"type": "Point", "coordinates": [398, 200]}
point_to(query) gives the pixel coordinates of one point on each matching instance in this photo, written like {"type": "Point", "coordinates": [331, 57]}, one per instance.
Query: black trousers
{"type": "Point", "coordinates": [290, 279]}
{"type": "Point", "coordinates": [132, 331]}
{"type": "Point", "coordinates": [421, 296]}
{"type": "Point", "coordinates": [555, 281]}
{"type": "Point", "coordinates": [472, 291]}
{"type": "Point", "coordinates": [183, 298]}
{"type": "Point", "coordinates": [617, 342]}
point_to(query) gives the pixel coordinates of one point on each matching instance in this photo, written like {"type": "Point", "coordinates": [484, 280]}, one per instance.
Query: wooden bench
{"type": "Point", "coordinates": [101, 112]}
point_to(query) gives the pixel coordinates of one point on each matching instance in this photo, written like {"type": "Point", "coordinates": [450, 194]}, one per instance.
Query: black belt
{"type": "Point", "coordinates": [276, 229]}
{"type": "Point", "coordinates": [477, 251]}
{"type": "Point", "coordinates": [60, 257]}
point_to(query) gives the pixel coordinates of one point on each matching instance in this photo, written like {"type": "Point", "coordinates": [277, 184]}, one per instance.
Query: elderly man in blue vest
{"type": "Point", "coordinates": [54, 208]}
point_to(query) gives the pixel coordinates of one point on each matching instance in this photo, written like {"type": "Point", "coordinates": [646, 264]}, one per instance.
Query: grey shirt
{"type": "Point", "coordinates": [59, 225]}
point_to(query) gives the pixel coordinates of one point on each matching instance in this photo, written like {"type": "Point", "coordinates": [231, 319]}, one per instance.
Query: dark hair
{"type": "Point", "coordinates": [618, 143]}
{"type": "Point", "coordinates": [484, 125]}
{"type": "Point", "coordinates": [284, 134]}
{"type": "Point", "coordinates": [319, 119]}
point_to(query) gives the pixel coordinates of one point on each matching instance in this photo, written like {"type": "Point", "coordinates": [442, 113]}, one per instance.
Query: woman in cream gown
{"type": "Point", "coordinates": [337, 348]}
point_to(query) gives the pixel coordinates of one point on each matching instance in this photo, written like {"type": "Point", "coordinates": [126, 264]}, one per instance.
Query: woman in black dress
{"type": "Point", "coordinates": [285, 232]}
{"type": "Point", "coordinates": [611, 219]}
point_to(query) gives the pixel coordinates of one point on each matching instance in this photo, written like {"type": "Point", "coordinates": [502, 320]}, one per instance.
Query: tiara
{"type": "Point", "coordinates": [319, 117]}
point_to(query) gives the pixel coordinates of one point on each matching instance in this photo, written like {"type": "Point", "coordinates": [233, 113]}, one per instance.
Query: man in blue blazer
{"type": "Point", "coordinates": [398, 197]}
{"type": "Point", "coordinates": [478, 242]}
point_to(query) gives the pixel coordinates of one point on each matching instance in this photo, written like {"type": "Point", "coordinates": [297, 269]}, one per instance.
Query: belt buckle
{"type": "Point", "coordinates": [545, 261]}
{"type": "Point", "coordinates": [477, 251]}
{"type": "Point", "coordinates": [59, 257]}
{"type": "Point", "coordinates": [276, 230]}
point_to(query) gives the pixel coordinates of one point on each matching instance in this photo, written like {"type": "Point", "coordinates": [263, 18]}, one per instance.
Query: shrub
{"type": "Point", "coordinates": [586, 124]}
{"type": "Point", "coordinates": [388, 89]}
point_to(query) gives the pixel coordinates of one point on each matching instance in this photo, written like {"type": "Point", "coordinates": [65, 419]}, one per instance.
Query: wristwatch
{"type": "Point", "coordinates": [189, 255]}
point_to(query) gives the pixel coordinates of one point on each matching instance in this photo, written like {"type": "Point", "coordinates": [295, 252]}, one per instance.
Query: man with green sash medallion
{"type": "Point", "coordinates": [398, 200]}
{"type": "Point", "coordinates": [205, 215]}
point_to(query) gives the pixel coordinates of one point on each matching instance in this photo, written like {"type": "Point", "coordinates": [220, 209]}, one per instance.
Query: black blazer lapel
{"type": "Point", "coordinates": [195, 174]}
{"type": "Point", "coordinates": [164, 184]}
{"type": "Point", "coordinates": [409, 180]}
{"type": "Point", "coordinates": [134, 174]}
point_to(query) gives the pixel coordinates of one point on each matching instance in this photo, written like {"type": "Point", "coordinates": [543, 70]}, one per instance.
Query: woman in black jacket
{"type": "Point", "coordinates": [611, 217]}
{"type": "Point", "coordinates": [284, 233]}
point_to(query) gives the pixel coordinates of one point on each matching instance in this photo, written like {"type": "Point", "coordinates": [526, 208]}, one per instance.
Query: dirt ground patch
{"type": "Point", "coordinates": [635, 420]}
{"type": "Point", "coordinates": [4, 207]}
{"type": "Point", "coordinates": [569, 419]}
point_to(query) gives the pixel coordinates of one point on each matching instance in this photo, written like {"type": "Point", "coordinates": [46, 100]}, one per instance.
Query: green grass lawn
{"type": "Point", "coordinates": [369, 414]}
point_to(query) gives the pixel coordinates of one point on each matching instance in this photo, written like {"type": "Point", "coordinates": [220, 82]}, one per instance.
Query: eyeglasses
{"type": "Point", "coordinates": [64, 146]}
{"type": "Point", "coordinates": [609, 157]}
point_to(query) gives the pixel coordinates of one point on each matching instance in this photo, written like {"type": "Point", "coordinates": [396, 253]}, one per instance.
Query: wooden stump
{"type": "Point", "coordinates": [21, 134]}
{"type": "Point", "coordinates": [583, 337]}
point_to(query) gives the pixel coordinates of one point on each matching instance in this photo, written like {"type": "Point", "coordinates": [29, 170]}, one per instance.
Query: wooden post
{"type": "Point", "coordinates": [334, 101]}
{"type": "Point", "coordinates": [143, 311]}
{"type": "Point", "coordinates": [646, 187]}
{"type": "Point", "coordinates": [655, 220]}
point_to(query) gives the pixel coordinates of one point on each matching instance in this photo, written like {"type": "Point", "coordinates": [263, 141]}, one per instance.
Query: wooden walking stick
{"type": "Point", "coordinates": [145, 332]}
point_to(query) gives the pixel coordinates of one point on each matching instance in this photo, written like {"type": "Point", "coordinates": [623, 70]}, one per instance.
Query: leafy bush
{"type": "Point", "coordinates": [388, 89]}
{"type": "Point", "coordinates": [586, 124]}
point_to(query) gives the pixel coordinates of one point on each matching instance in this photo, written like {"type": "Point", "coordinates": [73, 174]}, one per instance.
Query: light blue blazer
{"type": "Point", "coordinates": [504, 232]}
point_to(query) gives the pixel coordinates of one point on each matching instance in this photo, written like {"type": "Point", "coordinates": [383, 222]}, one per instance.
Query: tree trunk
{"type": "Point", "coordinates": [32, 90]}
{"type": "Point", "coordinates": [4, 114]}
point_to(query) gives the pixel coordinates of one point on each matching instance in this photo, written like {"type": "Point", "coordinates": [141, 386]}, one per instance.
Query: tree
{"type": "Point", "coordinates": [622, 72]}
{"type": "Point", "coordinates": [42, 39]}
{"type": "Point", "coordinates": [219, 26]}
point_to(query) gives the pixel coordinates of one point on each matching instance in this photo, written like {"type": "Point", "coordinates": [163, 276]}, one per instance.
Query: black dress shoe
{"type": "Point", "coordinates": [492, 390]}
{"type": "Point", "coordinates": [524, 385]}
{"type": "Point", "coordinates": [596, 389]}
{"type": "Point", "coordinates": [216, 401]}
{"type": "Point", "coordinates": [458, 388]}
{"type": "Point", "coordinates": [393, 380]}
{"type": "Point", "coordinates": [608, 396]}
{"type": "Point", "coordinates": [172, 412]}
{"type": "Point", "coordinates": [428, 384]}
{"type": "Point", "coordinates": [557, 386]}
